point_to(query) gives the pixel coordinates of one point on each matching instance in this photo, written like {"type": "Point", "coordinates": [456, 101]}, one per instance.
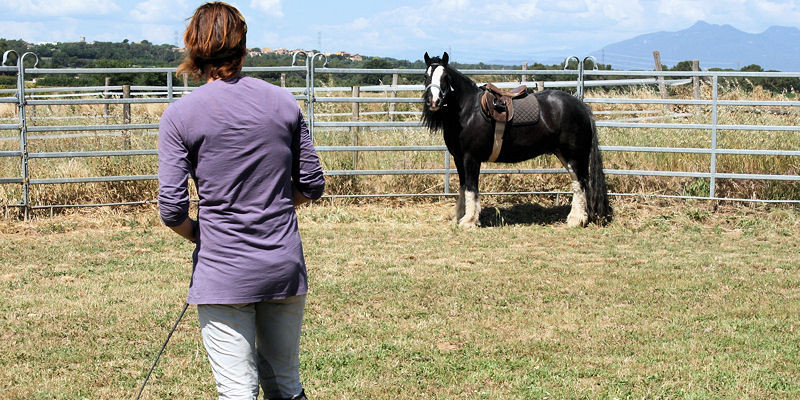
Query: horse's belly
{"type": "Point", "coordinates": [521, 147]}
{"type": "Point", "coordinates": [518, 155]}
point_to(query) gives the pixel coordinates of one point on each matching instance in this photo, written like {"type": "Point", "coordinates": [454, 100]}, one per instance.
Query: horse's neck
{"type": "Point", "coordinates": [465, 89]}
{"type": "Point", "coordinates": [461, 83]}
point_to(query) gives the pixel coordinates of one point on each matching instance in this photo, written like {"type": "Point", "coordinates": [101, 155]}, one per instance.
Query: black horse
{"type": "Point", "coordinates": [565, 128]}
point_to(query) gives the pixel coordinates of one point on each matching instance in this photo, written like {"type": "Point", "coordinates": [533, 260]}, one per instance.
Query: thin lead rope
{"type": "Point", "coordinates": [162, 350]}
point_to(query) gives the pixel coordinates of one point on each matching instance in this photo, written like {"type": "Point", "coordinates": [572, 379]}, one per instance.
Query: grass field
{"type": "Point", "coordinates": [671, 300]}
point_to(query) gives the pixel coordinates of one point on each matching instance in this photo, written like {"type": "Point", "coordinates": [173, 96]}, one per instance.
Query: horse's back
{"type": "Point", "coordinates": [565, 125]}
{"type": "Point", "coordinates": [557, 103]}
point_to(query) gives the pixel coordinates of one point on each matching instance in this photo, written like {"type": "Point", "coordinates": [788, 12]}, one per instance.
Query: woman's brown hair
{"type": "Point", "coordinates": [215, 42]}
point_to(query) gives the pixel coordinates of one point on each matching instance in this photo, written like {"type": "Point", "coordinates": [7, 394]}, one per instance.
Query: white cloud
{"type": "Point", "coordinates": [67, 31]}
{"type": "Point", "coordinates": [158, 33]}
{"type": "Point", "coordinates": [269, 7]}
{"type": "Point", "coordinates": [778, 12]}
{"type": "Point", "coordinates": [59, 7]}
{"type": "Point", "coordinates": [359, 24]}
{"type": "Point", "coordinates": [509, 12]}
{"type": "Point", "coordinates": [684, 10]}
{"type": "Point", "coordinates": [151, 11]}
{"type": "Point", "coordinates": [20, 30]}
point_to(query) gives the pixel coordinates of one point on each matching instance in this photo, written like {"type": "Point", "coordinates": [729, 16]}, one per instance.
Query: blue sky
{"type": "Point", "coordinates": [470, 30]}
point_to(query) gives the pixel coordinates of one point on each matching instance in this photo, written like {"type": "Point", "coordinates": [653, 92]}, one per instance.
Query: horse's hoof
{"type": "Point", "coordinates": [574, 221]}
{"type": "Point", "coordinates": [463, 224]}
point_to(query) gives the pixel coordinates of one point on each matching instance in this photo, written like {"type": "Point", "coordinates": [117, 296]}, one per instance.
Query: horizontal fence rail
{"type": "Point", "coordinates": [25, 127]}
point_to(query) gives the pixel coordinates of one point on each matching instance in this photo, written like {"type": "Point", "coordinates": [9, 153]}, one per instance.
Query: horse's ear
{"type": "Point", "coordinates": [427, 59]}
{"type": "Point", "coordinates": [445, 58]}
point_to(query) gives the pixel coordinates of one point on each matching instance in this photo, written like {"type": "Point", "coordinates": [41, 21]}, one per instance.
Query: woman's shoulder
{"type": "Point", "coordinates": [266, 86]}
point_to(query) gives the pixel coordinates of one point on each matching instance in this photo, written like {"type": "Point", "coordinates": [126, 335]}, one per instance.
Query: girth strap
{"type": "Point", "coordinates": [499, 128]}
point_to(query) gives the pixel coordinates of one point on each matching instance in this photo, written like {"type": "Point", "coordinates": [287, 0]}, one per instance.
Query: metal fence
{"type": "Point", "coordinates": [313, 94]}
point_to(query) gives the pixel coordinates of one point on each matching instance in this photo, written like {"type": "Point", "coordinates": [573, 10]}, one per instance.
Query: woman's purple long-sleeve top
{"type": "Point", "coordinates": [245, 144]}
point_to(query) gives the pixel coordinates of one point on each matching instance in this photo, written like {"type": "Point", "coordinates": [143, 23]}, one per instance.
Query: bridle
{"type": "Point", "coordinates": [443, 91]}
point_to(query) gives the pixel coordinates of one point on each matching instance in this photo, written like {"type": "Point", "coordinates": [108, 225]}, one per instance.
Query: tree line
{"type": "Point", "coordinates": [128, 54]}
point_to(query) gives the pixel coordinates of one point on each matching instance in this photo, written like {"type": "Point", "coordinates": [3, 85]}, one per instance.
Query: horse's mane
{"type": "Point", "coordinates": [434, 121]}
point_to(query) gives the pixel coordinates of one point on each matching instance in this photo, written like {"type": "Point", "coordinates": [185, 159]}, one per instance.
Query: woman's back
{"type": "Point", "coordinates": [238, 137]}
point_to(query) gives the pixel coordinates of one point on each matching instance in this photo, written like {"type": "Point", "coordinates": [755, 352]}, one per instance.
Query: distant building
{"type": "Point", "coordinates": [343, 54]}
{"type": "Point", "coordinates": [283, 51]}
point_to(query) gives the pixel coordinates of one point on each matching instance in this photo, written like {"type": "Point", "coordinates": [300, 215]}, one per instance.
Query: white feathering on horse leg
{"type": "Point", "coordinates": [472, 209]}
{"type": "Point", "coordinates": [578, 217]}
{"type": "Point", "coordinates": [460, 210]}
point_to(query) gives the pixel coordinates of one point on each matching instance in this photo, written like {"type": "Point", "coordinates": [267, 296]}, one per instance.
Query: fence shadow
{"type": "Point", "coordinates": [523, 214]}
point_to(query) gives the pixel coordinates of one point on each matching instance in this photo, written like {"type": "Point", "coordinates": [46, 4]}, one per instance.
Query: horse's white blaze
{"type": "Point", "coordinates": [436, 77]}
{"type": "Point", "coordinates": [472, 210]}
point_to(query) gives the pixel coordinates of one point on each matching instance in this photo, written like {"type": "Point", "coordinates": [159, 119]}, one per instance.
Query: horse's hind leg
{"type": "Point", "coordinates": [578, 217]}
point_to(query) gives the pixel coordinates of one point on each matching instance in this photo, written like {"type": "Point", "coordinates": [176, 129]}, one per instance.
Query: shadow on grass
{"type": "Point", "coordinates": [523, 214]}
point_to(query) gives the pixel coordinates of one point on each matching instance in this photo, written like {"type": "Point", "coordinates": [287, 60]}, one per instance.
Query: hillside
{"type": "Point", "coordinates": [716, 46]}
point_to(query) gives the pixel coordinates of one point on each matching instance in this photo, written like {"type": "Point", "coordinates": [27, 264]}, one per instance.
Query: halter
{"type": "Point", "coordinates": [443, 92]}
{"type": "Point", "coordinates": [436, 85]}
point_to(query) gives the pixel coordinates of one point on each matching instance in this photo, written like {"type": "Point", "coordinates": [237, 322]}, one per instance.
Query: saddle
{"type": "Point", "coordinates": [498, 105]}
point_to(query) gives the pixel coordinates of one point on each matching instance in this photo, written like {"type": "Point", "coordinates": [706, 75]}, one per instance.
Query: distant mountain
{"type": "Point", "coordinates": [716, 46]}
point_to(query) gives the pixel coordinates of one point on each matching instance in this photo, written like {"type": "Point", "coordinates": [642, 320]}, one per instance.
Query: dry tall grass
{"type": "Point", "coordinates": [150, 113]}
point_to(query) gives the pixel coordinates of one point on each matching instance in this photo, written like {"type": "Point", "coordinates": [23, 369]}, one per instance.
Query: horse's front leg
{"type": "Point", "coordinates": [469, 193]}
{"type": "Point", "coordinates": [460, 210]}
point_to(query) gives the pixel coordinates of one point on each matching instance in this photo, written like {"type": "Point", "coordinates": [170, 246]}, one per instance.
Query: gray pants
{"type": "Point", "coordinates": [254, 343]}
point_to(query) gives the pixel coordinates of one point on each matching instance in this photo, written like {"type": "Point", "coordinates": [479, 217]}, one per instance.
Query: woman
{"type": "Point", "coordinates": [245, 144]}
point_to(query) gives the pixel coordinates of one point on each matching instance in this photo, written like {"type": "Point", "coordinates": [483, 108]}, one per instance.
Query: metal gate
{"type": "Point", "coordinates": [313, 93]}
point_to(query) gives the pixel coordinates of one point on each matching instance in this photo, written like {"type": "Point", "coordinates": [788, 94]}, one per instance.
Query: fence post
{"type": "Point", "coordinates": [393, 95]}
{"type": "Point", "coordinates": [696, 86]}
{"type": "Point", "coordinates": [23, 137]}
{"type": "Point", "coordinates": [696, 80]}
{"type": "Point", "coordinates": [170, 91]}
{"type": "Point", "coordinates": [712, 191]}
{"type": "Point", "coordinates": [662, 88]}
{"type": "Point", "coordinates": [33, 114]}
{"type": "Point", "coordinates": [524, 77]}
{"type": "Point", "coordinates": [106, 96]}
{"type": "Point", "coordinates": [310, 93]}
{"type": "Point", "coordinates": [283, 79]}
{"type": "Point", "coordinates": [356, 117]}
{"type": "Point", "coordinates": [126, 116]}
{"type": "Point", "coordinates": [447, 171]}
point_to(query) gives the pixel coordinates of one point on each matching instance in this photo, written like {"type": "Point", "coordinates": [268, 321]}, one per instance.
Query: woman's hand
{"type": "Point", "coordinates": [298, 198]}
{"type": "Point", "coordinates": [187, 229]}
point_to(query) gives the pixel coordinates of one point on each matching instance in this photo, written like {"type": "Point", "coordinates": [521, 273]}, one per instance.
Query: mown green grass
{"type": "Point", "coordinates": [671, 300]}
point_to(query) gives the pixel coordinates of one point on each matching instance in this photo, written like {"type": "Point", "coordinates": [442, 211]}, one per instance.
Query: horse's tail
{"type": "Point", "coordinates": [597, 205]}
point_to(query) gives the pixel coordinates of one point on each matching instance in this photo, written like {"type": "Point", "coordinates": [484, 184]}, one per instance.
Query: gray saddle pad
{"type": "Point", "coordinates": [526, 111]}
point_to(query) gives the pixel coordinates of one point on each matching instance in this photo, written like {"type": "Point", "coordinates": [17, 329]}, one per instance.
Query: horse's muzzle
{"type": "Point", "coordinates": [434, 104]}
